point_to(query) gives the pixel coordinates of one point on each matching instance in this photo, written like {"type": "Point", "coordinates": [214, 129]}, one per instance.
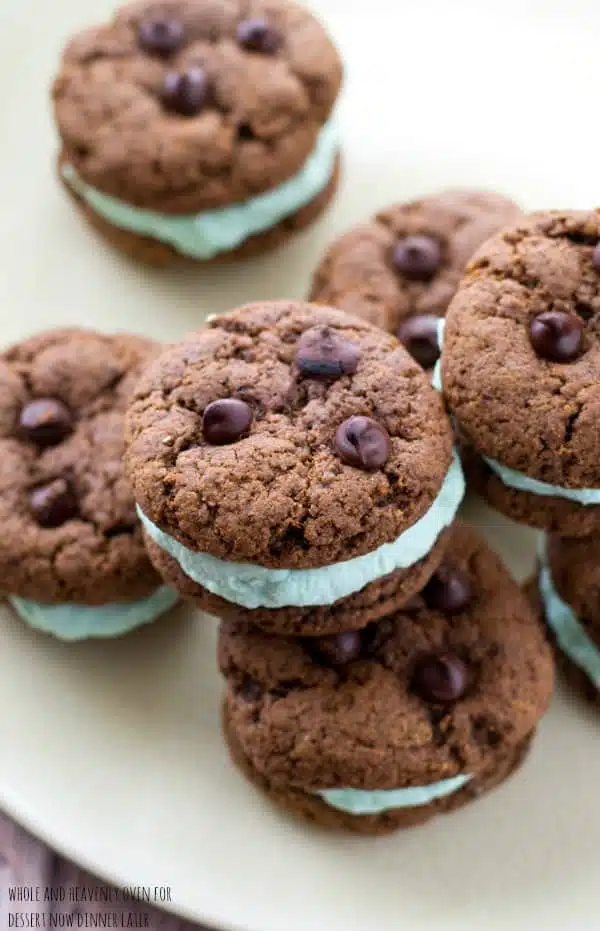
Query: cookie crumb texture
{"type": "Point", "coordinates": [357, 273]}
{"type": "Point", "coordinates": [282, 496]}
{"type": "Point", "coordinates": [304, 723]}
{"type": "Point", "coordinates": [533, 415]}
{"type": "Point", "coordinates": [69, 527]}
{"type": "Point", "coordinates": [256, 128]}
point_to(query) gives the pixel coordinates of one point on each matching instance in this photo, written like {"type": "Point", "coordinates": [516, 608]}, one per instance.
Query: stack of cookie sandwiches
{"type": "Point", "coordinates": [198, 129]}
{"type": "Point", "coordinates": [401, 269]}
{"type": "Point", "coordinates": [72, 557]}
{"type": "Point", "coordinates": [295, 476]}
{"type": "Point", "coordinates": [520, 371]}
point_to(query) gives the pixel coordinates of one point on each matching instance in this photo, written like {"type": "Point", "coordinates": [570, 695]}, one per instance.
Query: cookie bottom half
{"type": "Point", "coordinates": [572, 672]}
{"type": "Point", "coordinates": [313, 809]}
{"type": "Point", "coordinates": [375, 601]}
{"type": "Point", "coordinates": [152, 252]}
{"type": "Point", "coordinates": [524, 507]}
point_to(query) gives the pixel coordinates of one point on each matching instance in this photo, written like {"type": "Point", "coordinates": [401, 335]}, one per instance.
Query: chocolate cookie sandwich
{"type": "Point", "coordinates": [72, 558]}
{"type": "Point", "coordinates": [199, 129]}
{"type": "Point", "coordinates": [415, 715]}
{"type": "Point", "coordinates": [288, 458]}
{"type": "Point", "coordinates": [520, 370]}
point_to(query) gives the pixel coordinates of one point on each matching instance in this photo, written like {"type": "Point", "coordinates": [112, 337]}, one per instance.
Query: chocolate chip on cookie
{"type": "Point", "coordinates": [45, 421]}
{"type": "Point", "coordinates": [556, 336]}
{"type": "Point", "coordinates": [363, 443]}
{"type": "Point", "coordinates": [418, 258]}
{"type": "Point", "coordinates": [53, 504]}
{"type": "Point", "coordinates": [226, 421]}
{"type": "Point", "coordinates": [448, 590]}
{"type": "Point", "coordinates": [408, 260]}
{"type": "Point", "coordinates": [420, 336]}
{"type": "Point", "coordinates": [258, 35]}
{"type": "Point", "coordinates": [186, 93]}
{"type": "Point", "coordinates": [322, 353]}
{"type": "Point", "coordinates": [161, 35]}
{"type": "Point", "coordinates": [440, 677]}
{"type": "Point", "coordinates": [339, 649]}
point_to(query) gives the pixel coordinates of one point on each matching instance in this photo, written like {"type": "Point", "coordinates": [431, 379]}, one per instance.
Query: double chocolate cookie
{"type": "Point", "coordinates": [287, 458]}
{"type": "Point", "coordinates": [72, 558]}
{"type": "Point", "coordinates": [417, 714]}
{"type": "Point", "coordinates": [401, 269]}
{"type": "Point", "coordinates": [199, 129]}
{"type": "Point", "coordinates": [520, 371]}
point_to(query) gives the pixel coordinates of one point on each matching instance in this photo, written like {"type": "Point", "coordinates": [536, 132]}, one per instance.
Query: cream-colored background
{"type": "Point", "coordinates": [112, 751]}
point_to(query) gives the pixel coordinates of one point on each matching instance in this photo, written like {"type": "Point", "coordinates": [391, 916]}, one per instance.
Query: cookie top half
{"type": "Point", "coordinates": [186, 105]}
{"type": "Point", "coordinates": [408, 260]}
{"type": "Point", "coordinates": [287, 435]}
{"type": "Point", "coordinates": [521, 357]}
{"type": "Point", "coordinates": [69, 527]}
{"type": "Point", "coordinates": [444, 687]}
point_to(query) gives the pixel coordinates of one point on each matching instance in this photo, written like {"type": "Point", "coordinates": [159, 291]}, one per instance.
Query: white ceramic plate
{"type": "Point", "coordinates": [112, 751]}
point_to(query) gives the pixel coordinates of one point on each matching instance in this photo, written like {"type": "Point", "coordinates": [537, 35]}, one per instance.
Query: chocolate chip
{"type": "Point", "coordinates": [245, 133]}
{"type": "Point", "coordinates": [556, 335]}
{"type": "Point", "coordinates": [596, 257]}
{"type": "Point", "coordinates": [251, 690]}
{"type": "Point", "coordinates": [420, 336]}
{"type": "Point", "coordinates": [339, 649]}
{"type": "Point", "coordinates": [440, 677]}
{"type": "Point", "coordinates": [257, 35]}
{"type": "Point", "coordinates": [417, 257]}
{"type": "Point", "coordinates": [45, 421]}
{"type": "Point", "coordinates": [186, 93]}
{"type": "Point", "coordinates": [161, 35]}
{"type": "Point", "coordinates": [322, 353]}
{"type": "Point", "coordinates": [448, 591]}
{"type": "Point", "coordinates": [363, 443]}
{"type": "Point", "coordinates": [226, 421]}
{"type": "Point", "coordinates": [53, 504]}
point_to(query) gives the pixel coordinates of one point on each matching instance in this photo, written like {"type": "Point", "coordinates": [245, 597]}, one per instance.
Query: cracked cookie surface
{"type": "Point", "coordinates": [283, 493]}
{"type": "Point", "coordinates": [357, 272]}
{"type": "Point", "coordinates": [69, 528]}
{"type": "Point", "coordinates": [304, 722]}
{"type": "Point", "coordinates": [255, 129]}
{"type": "Point", "coordinates": [530, 413]}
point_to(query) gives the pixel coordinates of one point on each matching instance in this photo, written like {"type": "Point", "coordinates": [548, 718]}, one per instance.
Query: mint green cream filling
{"type": "Point", "coordinates": [521, 482]}
{"type": "Point", "coordinates": [568, 630]}
{"type": "Point", "coordinates": [255, 586]}
{"type": "Point", "coordinates": [206, 234]}
{"type": "Point", "coordinates": [436, 378]}
{"type": "Point", "coordinates": [360, 802]}
{"type": "Point", "coordinates": [78, 622]}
